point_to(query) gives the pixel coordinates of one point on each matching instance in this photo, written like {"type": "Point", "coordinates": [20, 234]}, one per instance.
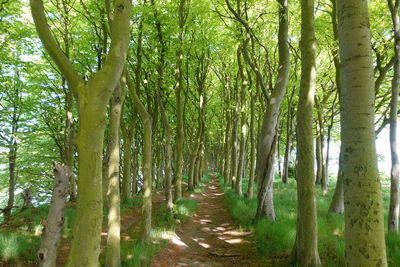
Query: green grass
{"type": "Point", "coordinates": [20, 237]}
{"type": "Point", "coordinates": [278, 237]}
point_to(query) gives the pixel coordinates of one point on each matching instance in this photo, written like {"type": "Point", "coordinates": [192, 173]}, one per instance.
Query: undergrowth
{"type": "Point", "coordinates": [274, 238]}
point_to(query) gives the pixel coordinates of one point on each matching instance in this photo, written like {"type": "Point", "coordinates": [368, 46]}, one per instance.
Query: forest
{"type": "Point", "coordinates": [199, 133]}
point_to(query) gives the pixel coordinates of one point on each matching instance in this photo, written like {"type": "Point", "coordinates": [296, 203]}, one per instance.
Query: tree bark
{"type": "Point", "coordinates": [47, 253]}
{"type": "Point", "coordinates": [128, 139]}
{"type": "Point", "coordinates": [183, 13]}
{"type": "Point", "coordinates": [113, 193]}
{"type": "Point", "coordinates": [337, 202]}
{"type": "Point", "coordinates": [364, 224]}
{"type": "Point", "coordinates": [393, 220]}
{"type": "Point", "coordinates": [268, 135]}
{"type": "Point", "coordinates": [93, 97]}
{"type": "Point", "coordinates": [305, 250]}
{"type": "Point", "coordinates": [250, 188]}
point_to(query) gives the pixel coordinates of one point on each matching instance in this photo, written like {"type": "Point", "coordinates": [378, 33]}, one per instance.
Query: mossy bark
{"type": "Point", "coordinates": [93, 96]}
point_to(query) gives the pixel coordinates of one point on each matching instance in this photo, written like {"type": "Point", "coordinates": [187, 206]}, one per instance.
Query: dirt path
{"type": "Point", "coordinates": [210, 238]}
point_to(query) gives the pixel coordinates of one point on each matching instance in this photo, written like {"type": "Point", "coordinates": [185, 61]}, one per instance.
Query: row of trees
{"type": "Point", "coordinates": [132, 97]}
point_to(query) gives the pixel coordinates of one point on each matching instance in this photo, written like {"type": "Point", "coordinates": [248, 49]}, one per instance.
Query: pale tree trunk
{"type": "Point", "coordinates": [47, 253]}
{"type": "Point", "coordinates": [393, 220]}
{"type": "Point", "coordinates": [93, 97]}
{"type": "Point", "coordinates": [243, 129]}
{"type": "Point", "coordinates": [305, 250]}
{"type": "Point", "coordinates": [113, 194]}
{"type": "Point", "coordinates": [268, 134]}
{"type": "Point", "coordinates": [364, 224]}
{"type": "Point", "coordinates": [147, 165]}
{"type": "Point", "coordinates": [250, 190]}
{"type": "Point", "coordinates": [227, 152]}
{"type": "Point", "coordinates": [324, 178]}
{"type": "Point", "coordinates": [127, 136]}
{"type": "Point", "coordinates": [164, 116]}
{"type": "Point", "coordinates": [183, 14]}
{"type": "Point", "coordinates": [337, 202]}
{"type": "Point", "coordinates": [288, 146]}
{"type": "Point", "coordinates": [147, 152]}
{"type": "Point", "coordinates": [27, 197]}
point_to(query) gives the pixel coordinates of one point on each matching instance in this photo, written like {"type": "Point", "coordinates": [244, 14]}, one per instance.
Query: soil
{"type": "Point", "coordinates": [211, 238]}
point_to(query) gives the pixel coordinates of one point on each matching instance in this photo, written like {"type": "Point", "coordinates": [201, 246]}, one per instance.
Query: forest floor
{"type": "Point", "coordinates": [129, 219]}
{"type": "Point", "coordinates": [210, 238]}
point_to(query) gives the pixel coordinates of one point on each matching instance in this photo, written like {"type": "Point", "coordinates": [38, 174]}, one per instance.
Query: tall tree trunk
{"type": "Point", "coordinates": [289, 125]}
{"type": "Point", "coordinates": [305, 250]}
{"type": "Point", "coordinates": [250, 188]}
{"type": "Point", "coordinates": [243, 130]}
{"type": "Point", "coordinates": [227, 154]}
{"type": "Point", "coordinates": [128, 134]}
{"type": "Point", "coordinates": [93, 96]}
{"type": "Point", "coordinates": [147, 139]}
{"type": "Point", "coordinates": [393, 220]}
{"type": "Point", "coordinates": [268, 135]}
{"type": "Point", "coordinates": [113, 193]}
{"type": "Point", "coordinates": [183, 13]}
{"type": "Point", "coordinates": [364, 225]}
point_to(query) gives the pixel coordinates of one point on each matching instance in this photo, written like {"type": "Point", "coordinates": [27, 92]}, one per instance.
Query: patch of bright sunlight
{"type": "Point", "coordinates": [337, 232]}
{"type": "Point", "coordinates": [167, 235]}
{"type": "Point", "coordinates": [198, 241]}
{"type": "Point", "coordinates": [236, 233]}
{"type": "Point", "coordinates": [38, 229]}
{"type": "Point", "coordinates": [234, 241]}
{"type": "Point", "coordinates": [204, 245]}
{"type": "Point", "coordinates": [8, 247]}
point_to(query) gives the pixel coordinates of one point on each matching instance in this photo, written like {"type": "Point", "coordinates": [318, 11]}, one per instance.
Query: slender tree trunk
{"type": "Point", "coordinates": [47, 253]}
{"type": "Point", "coordinates": [268, 135]}
{"type": "Point", "coordinates": [318, 179]}
{"type": "Point", "coordinates": [305, 250]}
{"type": "Point", "coordinates": [337, 202]}
{"type": "Point", "coordinates": [12, 158]}
{"type": "Point", "coordinates": [250, 188]}
{"type": "Point", "coordinates": [127, 136]}
{"type": "Point", "coordinates": [113, 193]}
{"type": "Point", "coordinates": [147, 140]}
{"type": "Point", "coordinates": [289, 124]}
{"type": "Point", "coordinates": [227, 166]}
{"type": "Point", "coordinates": [243, 130]}
{"type": "Point", "coordinates": [364, 225]}
{"type": "Point", "coordinates": [393, 220]}
{"type": "Point", "coordinates": [183, 13]}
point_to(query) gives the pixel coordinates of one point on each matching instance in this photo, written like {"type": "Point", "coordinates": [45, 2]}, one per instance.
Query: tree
{"type": "Point", "coordinates": [393, 220]}
{"type": "Point", "coordinates": [93, 96]}
{"type": "Point", "coordinates": [364, 232]}
{"type": "Point", "coordinates": [183, 14]}
{"type": "Point", "coordinates": [305, 250]}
